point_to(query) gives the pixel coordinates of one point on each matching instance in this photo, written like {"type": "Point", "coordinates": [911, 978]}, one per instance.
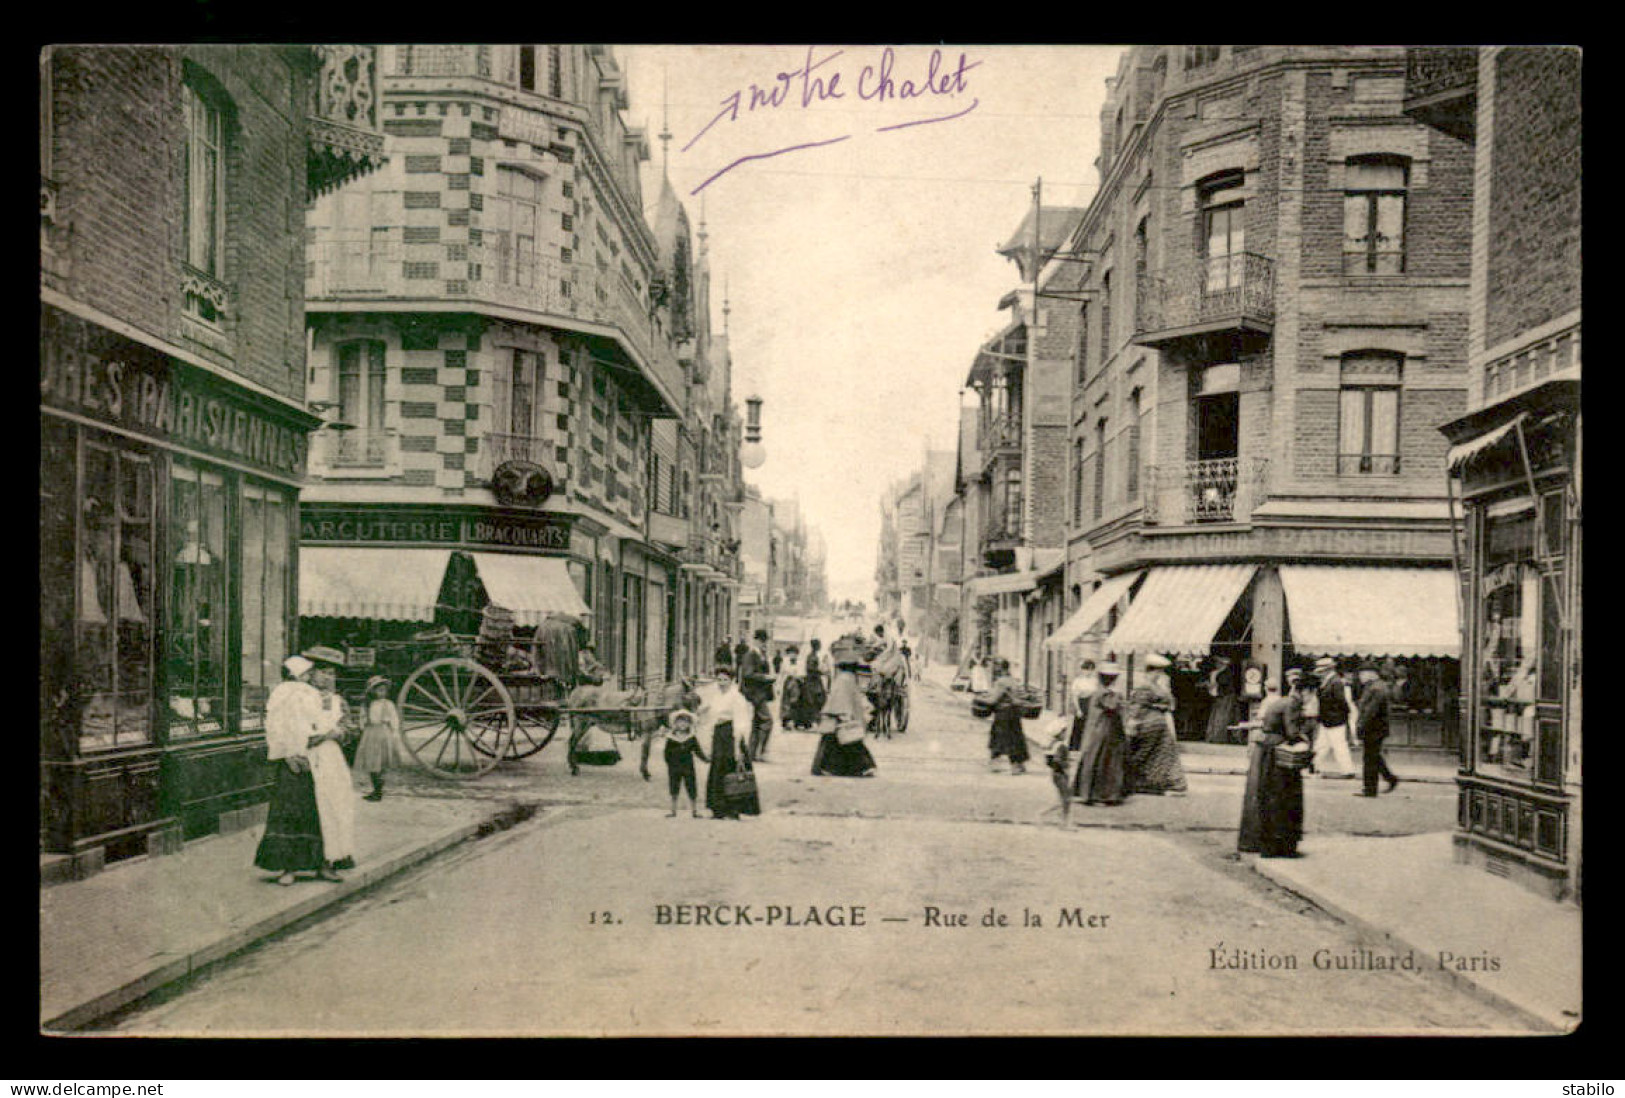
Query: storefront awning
{"type": "Point", "coordinates": [532, 587]}
{"type": "Point", "coordinates": [1464, 452]}
{"type": "Point", "coordinates": [1180, 608]}
{"type": "Point", "coordinates": [1002, 584]}
{"type": "Point", "coordinates": [378, 584]}
{"type": "Point", "coordinates": [1093, 609]}
{"type": "Point", "coordinates": [1358, 611]}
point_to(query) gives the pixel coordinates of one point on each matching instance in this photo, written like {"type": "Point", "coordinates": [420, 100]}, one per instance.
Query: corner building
{"type": "Point", "coordinates": [508, 358]}
{"type": "Point", "coordinates": [173, 430]}
{"type": "Point", "coordinates": [1271, 299]}
{"type": "Point", "coordinates": [1515, 459]}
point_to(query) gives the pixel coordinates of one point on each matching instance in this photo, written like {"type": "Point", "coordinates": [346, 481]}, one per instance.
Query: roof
{"type": "Point", "coordinates": [1056, 226]}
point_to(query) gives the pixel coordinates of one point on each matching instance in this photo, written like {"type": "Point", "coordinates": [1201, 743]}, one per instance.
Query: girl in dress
{"type": "Point", "coordinates": [380, 746]}
{"type": "Point", "coordinates": [681, 748]}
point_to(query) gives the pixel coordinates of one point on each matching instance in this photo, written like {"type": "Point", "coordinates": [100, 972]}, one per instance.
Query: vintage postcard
{"type": "Point", "coordinates": [593, 540]}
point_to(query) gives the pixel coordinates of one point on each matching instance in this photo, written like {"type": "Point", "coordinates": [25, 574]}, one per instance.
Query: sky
{"type": "Point", "coordinates": [861, 269]}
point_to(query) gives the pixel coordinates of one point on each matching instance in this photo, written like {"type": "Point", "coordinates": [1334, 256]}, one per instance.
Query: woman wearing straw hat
{"type": "Point", "coordinates": [1153, 764]}
{"type": "Point", "coordinates": [380, 746]}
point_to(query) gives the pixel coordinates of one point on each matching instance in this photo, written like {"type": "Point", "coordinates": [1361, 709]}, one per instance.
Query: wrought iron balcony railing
{"type": "Point", "coordinates": [1430, 70]}
{"type": "Point", "coordinates": [359, 449]}
{"type": "Point", "coordinates": [495, 449]}
{"type": "Point", "coordinates": [1207, 294]}
{"type": "Point", "coordinates": [1213, 490]}
{"type": "Point", "coordinates": [1001, 433]}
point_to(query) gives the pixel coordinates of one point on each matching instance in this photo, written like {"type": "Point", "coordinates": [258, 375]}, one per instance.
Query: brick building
{"type": "Point", "coordinates": [173, 185]}
{"type": "Point", "coordinates": [523, 388]}
{"type": "Point", "coordinates": [1516, 453]}
{"type": "Point", "coordinates": [1012, 473]}
{"type": "Point", "coordinates": [1271, 307]}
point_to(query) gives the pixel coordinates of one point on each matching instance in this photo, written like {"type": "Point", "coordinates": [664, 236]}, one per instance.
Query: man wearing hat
{"type": "Point", "coordinates": [1372, 728]}
{"type": "Point", "coordinates": [1333, 758]}
{"type": "Point", "coordinates": [756, 683]}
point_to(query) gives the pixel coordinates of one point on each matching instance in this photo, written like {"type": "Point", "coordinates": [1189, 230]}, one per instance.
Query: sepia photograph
{"type": "Point", "coordinates": [570, 540]}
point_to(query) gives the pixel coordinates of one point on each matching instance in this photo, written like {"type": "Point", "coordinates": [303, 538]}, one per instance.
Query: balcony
{"type": "Point", "coordinates": [494, 274]}
{"type": "Point", "coordinates": [1441, 88]}
{"type": "Point", "coordinates": [1215, 490]}
{"type": "Point", "coordinates": [343, 138]}
{"type": "Point", "coordinates": [497, 450]}
{"type": "Point", "coordinates": [358, 452]}
{"type": "Point", "coordinates": [1221, 294]}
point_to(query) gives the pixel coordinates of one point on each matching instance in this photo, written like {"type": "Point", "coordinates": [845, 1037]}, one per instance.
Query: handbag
{"type": "Point", "coordinates": [1292, 756]}
{"type": "Point", "coordinates": [739, 783]}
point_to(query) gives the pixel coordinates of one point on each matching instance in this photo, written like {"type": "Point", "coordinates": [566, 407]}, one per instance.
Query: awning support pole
{"type": "Point", "coordinates": [1540, 517]}
{"type": "Point", "coordinates": [1455, 558]}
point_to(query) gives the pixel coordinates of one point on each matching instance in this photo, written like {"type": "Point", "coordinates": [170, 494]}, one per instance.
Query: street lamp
{"type": "Point", "coordinates": [751, 454]}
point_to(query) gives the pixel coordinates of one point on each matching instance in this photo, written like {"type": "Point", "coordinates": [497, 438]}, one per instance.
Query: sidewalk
{"type": "Point", "coordinates": [1527, 948]}
{"type": "Point", "coordinates": [138, 925]}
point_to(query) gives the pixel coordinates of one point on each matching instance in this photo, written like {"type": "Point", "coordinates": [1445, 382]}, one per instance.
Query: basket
{"type": "Point", "coordinates": [1293, 756]}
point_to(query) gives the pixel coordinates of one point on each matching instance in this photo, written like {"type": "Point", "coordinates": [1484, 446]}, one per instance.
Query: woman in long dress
{"type": "Point", "coordinates": [814, 691]}
{"type": "Point", "coordinates": [1006, 736]}
{"type": "Point", "coordinates": [1099, 779]}
{"type": "Point", "coordinates": [841, 751]}
{"type": "Point", "coordinates": [1079, 691]}
{"type": "Point", "coordinates": [729, 715]}
{"type": "Point", "coordinates": [981, 679]}
{"type": "Point", "coordinates": [292, 843]}
{"type": "Point", "coordinates": [335, 793]}
{"type": "Point", "coordinates": [1153, 749]}
{"type": "Point", "coordinates": [1272, 805]}
{"type": "Point", "coordinates": [1221, 687]}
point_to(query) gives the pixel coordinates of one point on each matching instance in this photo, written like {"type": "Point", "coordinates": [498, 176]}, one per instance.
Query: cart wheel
{"type": "Point", "coordinates": [533, 730]}
{"type": "Point", "coordinates": [456, 717]}
{"type": "Point", "coordinates": [900, 713]}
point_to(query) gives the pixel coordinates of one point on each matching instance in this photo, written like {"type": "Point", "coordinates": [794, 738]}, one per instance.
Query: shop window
{"type": "Point", "coordinates": [267, 531]}
{"type": "Point", "coordinates": [111, 684]}
{"type": "Point", "coordinates": [198, 613]}
{"type": "Point", "coordinates": [1509, 608]}
{"type": "Point", "coordinates": [1374, 215]}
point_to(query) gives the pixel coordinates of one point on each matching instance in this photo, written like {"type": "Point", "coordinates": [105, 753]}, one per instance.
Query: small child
{"type": "Point", "coordinates": [380, 746]}
{"type": "Point", "coordinates": [681, 747]}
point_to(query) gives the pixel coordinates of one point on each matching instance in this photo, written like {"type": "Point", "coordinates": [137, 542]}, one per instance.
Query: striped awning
{"type": "Point", "coordinates": [377, 584]}
{"type": "Point", "coordinates": [1093, 609]}
{"type": "Point", "coordinates": [1180, 608]}
{"type": "Point", "coordinates": [532, 587]}
{"type": "Point", "coordinates": [1002, 584]}
{"type": "Point", "coordinates": [1336, 610]}
{"type": "Point", "coordinates": [1460, 454]}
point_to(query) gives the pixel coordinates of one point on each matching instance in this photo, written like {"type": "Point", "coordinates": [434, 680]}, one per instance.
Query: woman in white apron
{"type": "Point", "coordinates": [335, 796]}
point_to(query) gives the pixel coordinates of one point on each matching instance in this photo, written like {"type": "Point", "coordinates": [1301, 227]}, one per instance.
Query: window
{"type": "Point", "coordinates": [361, 383]}
{"type": "Point", "coordinates": [198, 615]}
{"type": "Point", "coordinates": [1012, 503]}
{"type": "Point", "coordinates": [524, 384]}
{"type": "Point", "coordinates": [1224, 232]}
{"type": "Point", "coordinates": [555, 72]}
{"type": "Point", "coordinates": [1105, 317]}
{"type": "Point", "coordinates": [203, 177]}
{"type": "Point", "coordinates": [1368, 414]}
{"type": "Point", "coordinates": [1077, 480]}
{"type": "Point", "coordinates": [511, 223]}
{"type": "Point", "coordinates": [1132, 459]}
{"type": "Point", "coordinates": [267, 531]}
{"type": "Point", "coordinates": [1509, 608]}
{"type": "Point", "coordinates": [1083, 342]}
{"type": "Point", "coordinates": [1197, 57]}
{"type": "Point", "coordinates": [1142, 252]}
{"type": "Point", "coordinates": [527, 67]}
{"type": "Point", "coordinates": [1374, 216]}
{"type": "Point", "coordinates": [1100, 468]}
{"type": "Point", "coordinates": [113, 622]}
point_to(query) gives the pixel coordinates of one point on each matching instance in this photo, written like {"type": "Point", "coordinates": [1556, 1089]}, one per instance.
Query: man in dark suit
{"type": "Point", "coordinates": [756, 683]}
{"type": "Point", "coordinates": [1372, 728]}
